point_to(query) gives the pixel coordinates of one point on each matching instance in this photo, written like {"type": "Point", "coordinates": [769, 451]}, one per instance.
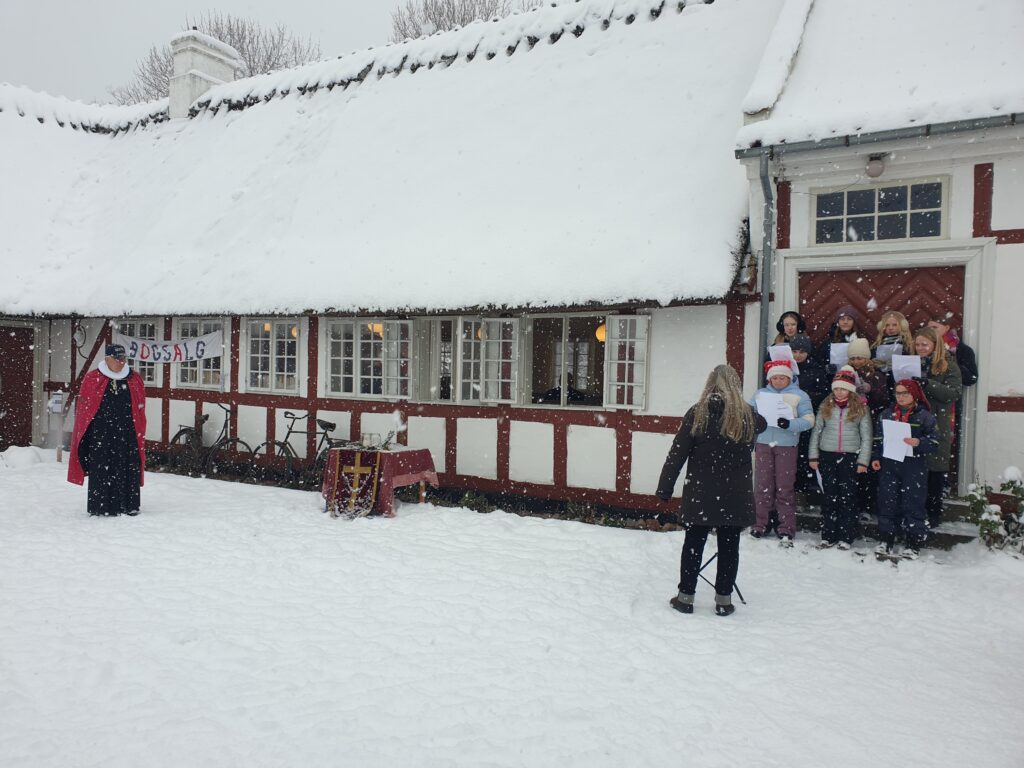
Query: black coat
{"type": "Point", "coordinates": [719, 481]}
{"type": "Point", "coordinates": [968, 363]}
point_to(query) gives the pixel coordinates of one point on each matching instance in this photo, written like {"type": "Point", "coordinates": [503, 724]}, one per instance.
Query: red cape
{"type": "Point", "coordinates": [88, 404]}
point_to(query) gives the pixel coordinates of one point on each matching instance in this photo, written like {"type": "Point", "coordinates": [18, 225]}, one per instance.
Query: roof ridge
{"type": "Point", "coordinates": [489, 38]}
{"type": "Point", "coordinates": [91, 118]}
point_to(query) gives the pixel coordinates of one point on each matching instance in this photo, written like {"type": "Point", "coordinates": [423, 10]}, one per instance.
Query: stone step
{"type": "Point", "coordinates": [952, 531]}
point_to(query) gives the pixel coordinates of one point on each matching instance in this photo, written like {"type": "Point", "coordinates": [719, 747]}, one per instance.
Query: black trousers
{"type": "Point", "coordinates": [728, 558]}
{"type": "Point", "coordinates": [936, 490]}
{"type": "Point", "coordinates": [840, 503]}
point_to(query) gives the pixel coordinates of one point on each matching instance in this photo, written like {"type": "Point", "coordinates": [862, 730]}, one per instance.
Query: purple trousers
{"type": "Point", "coordinates": [774, 478]}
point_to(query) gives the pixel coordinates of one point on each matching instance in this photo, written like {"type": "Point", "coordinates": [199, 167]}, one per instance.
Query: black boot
{"type": "Point", "coordinates": [723, 605]}
{"type": "Point", "coordinates": [682, 602]}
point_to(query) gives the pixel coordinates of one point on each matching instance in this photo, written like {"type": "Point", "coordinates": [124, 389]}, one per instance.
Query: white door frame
{"type": "Point", "coordinates": [976, 255]}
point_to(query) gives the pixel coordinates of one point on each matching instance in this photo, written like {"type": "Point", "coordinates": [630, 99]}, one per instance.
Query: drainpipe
{"type": "Point", "coordinates": [767, 253]}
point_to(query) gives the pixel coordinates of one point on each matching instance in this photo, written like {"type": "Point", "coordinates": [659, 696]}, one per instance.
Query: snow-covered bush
{"type": "Point", "coordinates": [998, 527]}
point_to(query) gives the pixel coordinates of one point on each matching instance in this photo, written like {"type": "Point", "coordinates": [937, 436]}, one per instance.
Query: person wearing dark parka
{"type": "Point", "coordinates": [716, 442]}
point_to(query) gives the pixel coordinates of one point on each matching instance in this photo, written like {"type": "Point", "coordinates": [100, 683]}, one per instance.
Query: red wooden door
{"type": "Point", "coordinates": [17, 361]}
{"type": "Point", "coordinates": [917, 293]}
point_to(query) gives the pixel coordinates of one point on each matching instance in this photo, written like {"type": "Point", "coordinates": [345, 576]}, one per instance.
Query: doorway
{"type": "Point", "coordinates": [17, 363]}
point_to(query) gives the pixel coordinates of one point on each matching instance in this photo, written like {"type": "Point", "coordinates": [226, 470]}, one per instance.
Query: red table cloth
{"type": "Point", "coordinates": [358, 480]}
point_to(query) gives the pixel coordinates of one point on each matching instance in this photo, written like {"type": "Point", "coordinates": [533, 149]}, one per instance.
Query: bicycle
{"type": "Point", "coordinates": [279, 457]}
{"type": "Point", "coordinates": [227, 455]}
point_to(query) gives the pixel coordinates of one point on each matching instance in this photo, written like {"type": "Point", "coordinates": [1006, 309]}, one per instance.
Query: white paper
{"type": "Point", "coordinates": [784, 352]}
{"type": "Point", "coordinates": [893, 446]}
{"type": "Point", "coordinates": [886, 351]}
{"type": "Point", "coordinates": [839, 354]}
{"type": "Point", "coordinates": [906, 367]}
{"type": "Point", "coordinates": [773, 407]}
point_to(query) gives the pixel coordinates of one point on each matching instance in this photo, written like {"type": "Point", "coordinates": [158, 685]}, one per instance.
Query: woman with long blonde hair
{"type": "Point", "coordinates": [942, 384]}
{"type": "Point", "coordinates": [894, 328]}
{"type": "Point", "coordinates": [715, 442]}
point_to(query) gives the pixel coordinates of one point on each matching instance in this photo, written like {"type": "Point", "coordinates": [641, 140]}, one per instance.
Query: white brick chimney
{"type": "Point", "coordinates": [200, 62]}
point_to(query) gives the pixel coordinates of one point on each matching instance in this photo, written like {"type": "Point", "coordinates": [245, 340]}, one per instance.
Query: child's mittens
{"type": "Point", "coordinates": [782, 423]}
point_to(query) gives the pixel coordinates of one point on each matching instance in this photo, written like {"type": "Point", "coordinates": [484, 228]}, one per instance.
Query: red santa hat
{"type": "Point", "coordinates": [845, 378]}
{"type": "Point", "coordinates": [778, 368]}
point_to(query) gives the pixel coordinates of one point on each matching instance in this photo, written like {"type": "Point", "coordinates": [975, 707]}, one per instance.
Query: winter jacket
{"type": "Point", "coordinates": [837, 434]}
{"type": "Point", "coordinates": [942, 391]}
{"type": "Point", "coordinates": [874, 388]}
{"type": "Point", "coordinates": [825, 350]}
{"type": "Point", "coordinates": [922, 426]}
{"type": "Point", "coordinates": [719, 482]}
{"type": "Point", "coordinates": [814, 380]}
{"type": "Point", "coordinates": [968, 362]}
{"type": "Point", "coordinates": [89, 398]}
{"type": "Point", "coordinates": [801, 421]}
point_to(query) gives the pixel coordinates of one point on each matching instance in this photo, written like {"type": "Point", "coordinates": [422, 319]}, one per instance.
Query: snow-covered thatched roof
{"type": "Point", "coordinates": [839, 68]}
{"type": "Point", "coordinates": [580, 153]}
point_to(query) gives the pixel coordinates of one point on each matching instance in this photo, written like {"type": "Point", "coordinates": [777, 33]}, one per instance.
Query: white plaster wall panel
{"type": "Point", "coordinates": [531, 452]}
{"type": "Point", "coordinates": [379, 424]}
{"type": "Point", "coordinates": [1005, 365]}
{"type": "Point", "coordinates": [649, 452]}
{"type": "Point", "coordinates": [342, 421]}
{"type": "Point", "coordinates": [154, 418]}
{"type": "Point", "coordinates": [297, 441]}
{"type": "Point", "coordinates": [182, 414]}
{"type": "Point", "coordinates": [591, 457]}
{"type": "Point", "coordinates": [60, 351]}
{"type": "Point", "coordinates": [211, 430]}
{"type": "Point", "coordinates": [1004, 445]}
{"type": "Point", "coordinates": [477, 448]}
{"type": "Point", "coordinates": [428, 432]}
{"type": "Point", "coordinates": [959, 198]}
{"type": "Point", "coordinates": [252, 424]}
{"type": "Point", "coordinates": [685, 344]}
{"type": "Point", "coordinates": [1008, 193]}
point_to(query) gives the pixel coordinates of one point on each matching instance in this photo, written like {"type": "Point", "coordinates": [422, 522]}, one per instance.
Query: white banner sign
{"type": "Point", "coordinates": [180, 351]}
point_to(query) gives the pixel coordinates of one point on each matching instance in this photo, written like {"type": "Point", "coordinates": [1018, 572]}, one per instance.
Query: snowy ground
{"type": "Point", "coordinates": [237, 626]}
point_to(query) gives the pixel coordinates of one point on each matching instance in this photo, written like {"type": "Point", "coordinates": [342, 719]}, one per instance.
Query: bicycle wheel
{"type": "Point", "coordinates": [272, 462]}
{"type": "Point", "coordinates": [312, 478]}
{"type": "Point", "coordinates": [230, 459]}
{"type": "Point", "coordinates": [183, 452]}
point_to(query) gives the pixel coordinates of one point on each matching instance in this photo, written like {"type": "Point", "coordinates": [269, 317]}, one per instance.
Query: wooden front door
{"type": "Point", "coordinates": [17, 361]}
{"type": "Point", "coordinates": [917, 293]}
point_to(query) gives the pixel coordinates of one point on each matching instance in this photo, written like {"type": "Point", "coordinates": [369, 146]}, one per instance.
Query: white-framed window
{"type": "Point", "coordinates": [200, 373]}
{"type": "Point", "coordinates": [906, 210]}
{"type": "Point", "coordinates": [147, 330]}
{"type": "Point", "coordinates": [369, 357]}
{"type": "Point", "coordinates": [272, 355]}
{"type": "Point", "coordinates": [625, 378]}
{"type": "Point", "coordinates": [566, 363]}
{"type": "Point", "coordinates": [470, 360]}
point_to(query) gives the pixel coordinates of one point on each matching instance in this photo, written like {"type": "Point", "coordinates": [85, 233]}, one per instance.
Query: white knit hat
{"type": "Point", "coordinates": [845, 378]}
{"type": "Point", "coordinates": [859, 348]}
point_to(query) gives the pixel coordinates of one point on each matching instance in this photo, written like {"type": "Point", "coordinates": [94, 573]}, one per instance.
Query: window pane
{"type": "Point", "coordinates": [892, 199]}
{"type": "Point", "coordinates": [892, 227]}
{"type": "Point", "coordinates": [829, 231]}
{"type": "Point", "coordinates": [547, 361]}
{"type": "Point", "coordinates": [860, 201]}
{"type": "Point", "coordinates": [830, 204]}
{"type": "Point", "coordinates": [926, 224]}
{"type": "Point", "coordinates": [470, 338]}
{"type": "Point", "coordinates": [860, 228]}
{"type": "Point", "coordinates": [926, 195]}
{"type": "Point", "coordinates": [442, 390]}
{"type": "Point", "coordinates": [584, 361]}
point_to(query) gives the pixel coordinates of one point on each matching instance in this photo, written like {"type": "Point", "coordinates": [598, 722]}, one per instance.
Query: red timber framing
{"type": "Point", "coordinates": [624, 423]}
{"type": "Point", "coordinates": [984, 183]}
{"type": "Point", "coordinates": [783, 213]}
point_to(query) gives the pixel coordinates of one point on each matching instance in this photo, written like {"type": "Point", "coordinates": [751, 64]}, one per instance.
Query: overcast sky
{"type": "Point", "coordinates": [80, 48]}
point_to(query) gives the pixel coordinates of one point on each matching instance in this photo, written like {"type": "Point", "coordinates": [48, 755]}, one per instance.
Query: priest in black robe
{"type": "Point", "coordinates": [108, 443]}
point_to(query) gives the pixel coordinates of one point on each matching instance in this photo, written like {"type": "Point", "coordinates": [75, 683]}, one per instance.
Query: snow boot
{"type": "Point", "coordinates": [785, 541]}
{"type": "Point", "coordinates": [825, 544]}
{"type": "Point", "coordinates": [756, 533]}
{"type": "Point", "coordinates": [844, 545]}
{"type": "Point", "coordinates": [723, 605]}
{"type": "Point", "coordinates": [682, 602]}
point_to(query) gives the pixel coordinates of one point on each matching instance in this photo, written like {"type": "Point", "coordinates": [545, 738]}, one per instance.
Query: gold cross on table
{"type": "Point", "coordinates": [356, 470]}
